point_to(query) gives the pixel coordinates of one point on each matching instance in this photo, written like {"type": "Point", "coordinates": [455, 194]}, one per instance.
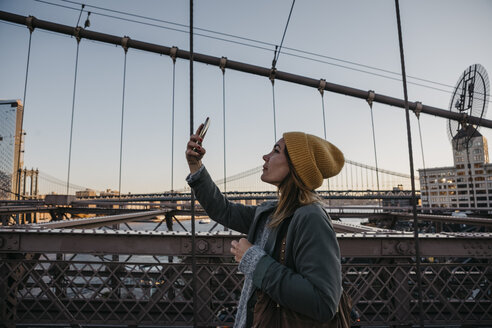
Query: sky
{"type": "Point", "coordinates": [441, 39]}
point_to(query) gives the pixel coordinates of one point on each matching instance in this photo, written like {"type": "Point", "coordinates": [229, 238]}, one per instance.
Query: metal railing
{"type": "Point", "coordinates": [107, 277]}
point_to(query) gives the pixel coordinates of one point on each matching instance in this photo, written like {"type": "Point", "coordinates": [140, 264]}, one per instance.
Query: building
{"type": "Point", "coordinates": [11, 147]}
{"type": "Point", "coordinates": [109, 193]}
{"type": "Point", "coordinates": [85, 193]}
{"type": "Point", "coordinates": [467, 184]}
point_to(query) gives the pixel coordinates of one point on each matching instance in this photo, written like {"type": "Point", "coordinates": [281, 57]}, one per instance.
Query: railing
{"type": "Point", "coordinates": [107, 277]}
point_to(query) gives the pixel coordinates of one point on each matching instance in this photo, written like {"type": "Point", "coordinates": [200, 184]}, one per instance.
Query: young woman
{"type": "Point", "coordinates": [291, 257]}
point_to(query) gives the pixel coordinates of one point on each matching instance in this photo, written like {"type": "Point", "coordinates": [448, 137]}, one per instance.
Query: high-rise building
{"type": "Point", "coordinates": [467, 184]}
{"type": "Point", "coordinates": [11, 147]}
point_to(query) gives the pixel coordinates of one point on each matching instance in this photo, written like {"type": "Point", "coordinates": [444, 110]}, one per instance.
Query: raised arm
{"type": "Point", "coordinates": [232, 215]}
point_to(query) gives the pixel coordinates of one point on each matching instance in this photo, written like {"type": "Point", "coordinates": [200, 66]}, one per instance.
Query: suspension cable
{"type": "Point", "coordinates": [321, 89]}
{"type": "Point", "coordinates": [124, 44]}
{"type": "Point", "coordinates": [193, 237]}
{"type": "Point", "coordinates": [174, 50]}
{"type": "Point", "coordinates": [417, 113]}
{"type": "Point", "coordinates": [470, 175]}
{"type": "Point", "coordinates": [223, 61]}
{"type": "Point", "coordinates": [31, 29]}
{"type": "Point", "coordinates": [283, 36]}
{"type": "Point", "coordinates": [410, 156]}
{"type": "Point", "coordinates": [276, 54]}
{"type": "Point", "coordinates": [73, 108]}
{"type": "Point", "coordinates": [370, 99]}
{"type": "Point", "coordinates": [272, 79]}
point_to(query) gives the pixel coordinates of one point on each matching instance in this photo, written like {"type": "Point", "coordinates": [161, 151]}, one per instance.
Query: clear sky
{"type": "Point", "coordinates": [441, 39]}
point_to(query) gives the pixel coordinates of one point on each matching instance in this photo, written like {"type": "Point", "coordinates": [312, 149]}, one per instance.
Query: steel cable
{"type": "Point", "coordinates": [22, 114]}
{"type": "Point", "coordinates": [410, 157]}
{"type": "Point", "coordinates": [122, 120]}
{"type": "Point", "coordinates": [73, 112]}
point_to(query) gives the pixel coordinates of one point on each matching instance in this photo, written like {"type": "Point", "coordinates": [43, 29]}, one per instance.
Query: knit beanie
{"type": "Point", "coordinates": [314, 159]}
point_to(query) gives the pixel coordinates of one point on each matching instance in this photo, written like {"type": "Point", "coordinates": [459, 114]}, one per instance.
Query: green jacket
{"type": "Point", "coordinates": [310, 280]}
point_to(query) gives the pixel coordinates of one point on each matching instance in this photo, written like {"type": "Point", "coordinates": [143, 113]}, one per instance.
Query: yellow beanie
{"type": "Point", "coordinates": [314, 159]}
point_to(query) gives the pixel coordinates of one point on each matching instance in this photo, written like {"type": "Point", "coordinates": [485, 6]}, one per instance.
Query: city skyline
{"type": "Point", "coordinates": [436, 49]}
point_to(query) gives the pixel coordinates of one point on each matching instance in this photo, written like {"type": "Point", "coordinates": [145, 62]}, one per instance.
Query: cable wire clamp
{"type": "Point", "coordinates": [173, 52]}
{"type": "Point", "coordinates": [76, 33]}
{"type": "Point", "coordinates": [124, 42]}
{"type": "Point", "coordinates": [418, 108]}
{"type": "Point", "coordinates": [273, 71]}
{"type": "Point", "coordinates": [30, 23]}
{"type": "Point", "coordinates": [222, 64]}
{"type": "Point", "coordinates": [370, 97]}
{"type": "Point", "coordinates": [322, 85]}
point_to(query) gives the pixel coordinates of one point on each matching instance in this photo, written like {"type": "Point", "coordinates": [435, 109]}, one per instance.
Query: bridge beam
{"type": "Point", "coordinates": [79, 32]}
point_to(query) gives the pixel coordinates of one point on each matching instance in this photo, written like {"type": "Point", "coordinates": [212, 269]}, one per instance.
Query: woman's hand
{"type": "Point", "coordinates": [238, 248]}
{"type": "Point", "coordinates": [194, 151]}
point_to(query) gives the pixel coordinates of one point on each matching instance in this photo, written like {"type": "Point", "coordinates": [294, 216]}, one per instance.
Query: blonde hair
{"type": "Point", "coordinates": [292, 194]}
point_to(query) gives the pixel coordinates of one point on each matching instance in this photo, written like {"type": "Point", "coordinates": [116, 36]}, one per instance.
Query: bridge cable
{"type": "Point", "coordinates": [77, 31]}
{"type": "Point", "coordinates": [274, 64]}
{"type": "Point", "coordinates": [222, 65]}
{"type": "Point", "coordinates": [241, 38]}
{"type": "Point", "coordinates": [321, 89]}
{"type": "Point", "coordinates": [370, 99]}
{"type": "Point", "coordinates": [193, 237]}
{"type": "Point", "coordinates": [31, 29]}
{"type": "Point", "coordinates": [272, 79]}
{"type": "Point", "coordinates": [223, 62]}
{"type": "Point", "coordinates": [417, 110]}
{"type": "Point", "coordinates": [174, 50]}
{"type": "Point", "coordinates": [410, 155]}
{"type": "Point", "coordinates": [276, 55]}
{"type": "Point", "coordinates": [124, 44]}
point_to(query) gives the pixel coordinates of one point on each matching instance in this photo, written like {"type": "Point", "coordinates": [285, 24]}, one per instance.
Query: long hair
{"type": "Point", "coordinates": [292, 194]}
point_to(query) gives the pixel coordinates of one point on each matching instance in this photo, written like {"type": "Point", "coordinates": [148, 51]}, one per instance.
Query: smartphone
{"type": "Point", "coordinates": [203, 131]}
{"type": "Point", "coordinates": [205, 128]}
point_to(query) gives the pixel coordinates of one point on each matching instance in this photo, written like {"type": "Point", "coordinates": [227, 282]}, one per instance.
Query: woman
{"type": "Point", "coordinates": [308, 280]}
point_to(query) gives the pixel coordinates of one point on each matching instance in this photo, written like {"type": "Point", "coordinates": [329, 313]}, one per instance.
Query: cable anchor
{"type": "Point", "coordinates": [370, 97]}
{"type": "Point", "coordinates": [173, 52]}
{"type": "Point", "coordinates": [222, 64]}
{"type": "Point", "coordinates": [322, 85]}
{"type": "Point", "coordinates": [124, 43]}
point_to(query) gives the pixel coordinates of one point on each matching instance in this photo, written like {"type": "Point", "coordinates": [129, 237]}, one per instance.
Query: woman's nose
{"type": "Point", "coordinates": [265, 158]}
